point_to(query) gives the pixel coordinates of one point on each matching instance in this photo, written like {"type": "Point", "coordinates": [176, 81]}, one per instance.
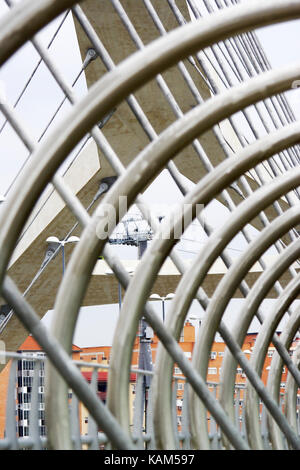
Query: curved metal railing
{"type": "Point", "coordinates": [270, 205]}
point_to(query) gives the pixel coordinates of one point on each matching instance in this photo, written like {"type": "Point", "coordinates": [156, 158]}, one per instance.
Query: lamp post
{"type": "Point", "coordinates": [54, 243]}
{"type": "Point", "coordinates": [163, 299]}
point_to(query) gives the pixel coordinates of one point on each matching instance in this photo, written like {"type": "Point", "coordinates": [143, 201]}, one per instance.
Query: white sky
{"type": "Point", "coordinates": [281, 44]}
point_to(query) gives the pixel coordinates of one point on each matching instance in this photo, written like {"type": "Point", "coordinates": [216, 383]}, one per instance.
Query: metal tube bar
{"type": "Point", "coordinates": [274, 378]}
{"type": "Point", "coordinates": [291, 391]}
{"type": "Point", "coordinates": [245, 112]}
{"type": "Point", "coordinates": [262, 342]}
{"type": "Point", "coordinates": [24, 20]}
{"type": "Point", "coordinates": [264, 102]}
{"type": "Point", "coordinates": [64, 365]}
{"type": "Point", "coordinates": [214, 311]}
{"type": "Point", "coordinates": [218, 238]}
{"type": "Point", "coordinates": [252, 302]}
{"type": "Point", "coordinates": [244, 182]}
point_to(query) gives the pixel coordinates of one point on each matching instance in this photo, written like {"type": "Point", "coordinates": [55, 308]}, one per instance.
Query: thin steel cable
{"type": "Point", "coordinates": [244, 182]}
{"type": "Point", "coordinates": [37, 65]}
{"type": "Point", "coordinates": [230, 83]}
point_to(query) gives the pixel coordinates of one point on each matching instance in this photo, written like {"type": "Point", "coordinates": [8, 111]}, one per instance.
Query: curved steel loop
{"type": "Point", "coordinates": [291, 389]}
{"type": "Point", "coordinates": [36, 175]}
{"type": "Point", "coordinates": [64, 364]}
{"type": "Point", "coordinates": [227, 286]}
{"type": "Point", "coordinates": [260, 349]}
{"type": "Point", "coordinates": [25, 19]}
{"type": "Point", "coordinates": [88, 239]}
{"type": "Point", "coordinates": [194, 276]}
{"type": "Point", "coordinates": [130, 186]}
{"type": "Point", "coordinates": [46, 160]}
{"type": "Point", "coordinates": [218, 180]}
{"type": "Point", "coordinates": [273, 383]}
{"type": "Point", "coordinates": [91, 114]}
{"type": "Point", "coordinates": [115, 86]}
{"type": "Point", "coordinates": [261, 287]}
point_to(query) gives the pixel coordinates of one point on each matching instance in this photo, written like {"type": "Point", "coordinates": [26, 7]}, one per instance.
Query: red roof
{"type": "Point", "coordinates": [30, 344]}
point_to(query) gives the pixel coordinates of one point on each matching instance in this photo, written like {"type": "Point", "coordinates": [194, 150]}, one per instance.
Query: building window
{"type": "Point", "coordinates": [213, 355]}
{"type": "Point", "coordinates": [42, 430]}
{"type": "Point", "coordinates": [212, 370]}
{"type": "Point", "coordinates": [27, 381]}
{"type": "Point", "coordinates": [27, 397]}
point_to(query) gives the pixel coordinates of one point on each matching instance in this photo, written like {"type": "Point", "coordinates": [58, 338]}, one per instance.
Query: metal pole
{"type": "Point", "coordinates": [145, 353]}
{"type": "Point", "coordinates": [63, 258]}
{"type": "Point", "coordinates": [120, 296]}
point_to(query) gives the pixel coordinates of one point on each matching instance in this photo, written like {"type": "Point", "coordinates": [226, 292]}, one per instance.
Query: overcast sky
{"type": "Point", "coordinates": [39, 103]}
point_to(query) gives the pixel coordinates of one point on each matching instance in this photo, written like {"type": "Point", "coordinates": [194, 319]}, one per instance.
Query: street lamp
{"type": "Point", "coordinates": [163, 299]}
{"type": "Point", "coordinates": [54, 243]}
